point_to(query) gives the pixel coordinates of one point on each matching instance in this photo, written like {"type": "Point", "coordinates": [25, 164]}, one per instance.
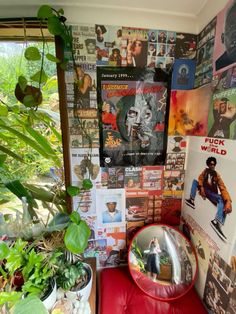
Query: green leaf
{"type": "Point", "coordinates": [4, 250]}
{"type": "Point", "coordinates": [75, 217]}
{"type": "Point", "coordinates": [39, 77]}
{"type": "Point", "coordinates": [76, 237]}
{"type": "Point", "coordinates": [3, 110]}
{"type": "Point", "coordinates": [10, 153]}
{"type": "Point", "coordinates": [73, 190]}
{"type": "Point", "coordinates": [3, 157]}
{"type": "Point", "coordinates": [43, 142]}
{"type": "Point", "coordinates": [52, 58]}
{"type": "Point", "coordinates": [32, 54]}
{"type": "Point", "coordinates": [15, 108]}
{"type": "Point", "coordinates": [63, 65]}
{"type": "Point", "coordinates": [87, 184]}
{"type": "Point", "coordinates": [29, 305]}
{"type": "Point", "coordinates": [44, 12]}
{"type": "Point", "coordinates": [60, 11]}
{"type": "Point", "coordinates": [12, 296]}
{"type": "Point", "coordinates": [54, 26]}
{"type": "Point", "coordinates": [27, 140]}
{"type": "Point", "coordinates": [29, 101]}
{"type": "Point", "coordinates": [22, 82]}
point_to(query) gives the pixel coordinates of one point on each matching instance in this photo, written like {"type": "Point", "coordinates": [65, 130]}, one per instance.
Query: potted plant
{"type": "Point", "coordinates": [26, 272]}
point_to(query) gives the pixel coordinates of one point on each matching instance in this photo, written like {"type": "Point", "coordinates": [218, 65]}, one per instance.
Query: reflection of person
{"type": "Point", "coordinates": [115, 57]}
{"type": "Point", "coordinates": [183, 77]}
{"type": "Point", "coordinates": [136, 53]}
{"type": "Point", "coordinates": [153, 260]}
{"type": "Point", "coordinates": [90, 45]}
{"type": "Point", "coordinates": [111, 214]}
{"type": "Point", "coordinates": [229, 39]}
{"type": "Point", "coordinates": [84, 87]}
{"type": "Point", "coordinates": [224, 114]}
{"type": "Point", "coordinates": [208, 184]}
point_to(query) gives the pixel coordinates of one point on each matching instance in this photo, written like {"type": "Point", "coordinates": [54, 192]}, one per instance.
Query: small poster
{"type": "Point", "coordinates": [183, 74]}
{"type": "Point", "coordinates": [222, 115]}
{"type": "Point", "coordinates": [110, 206]}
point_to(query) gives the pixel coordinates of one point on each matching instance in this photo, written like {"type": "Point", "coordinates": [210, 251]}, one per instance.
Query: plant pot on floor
{"type": "Point", "coordinates": [83, 293]}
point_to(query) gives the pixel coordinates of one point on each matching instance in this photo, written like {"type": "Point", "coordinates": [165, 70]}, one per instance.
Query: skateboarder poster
{"type": "Point", "coordinates": [210, 189]}
{"type": "Point", "coordinates": [133, 117]}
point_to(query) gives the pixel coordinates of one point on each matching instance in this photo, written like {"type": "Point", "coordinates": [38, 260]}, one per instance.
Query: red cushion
{"type": "Point", "coordinates": [119, 294]}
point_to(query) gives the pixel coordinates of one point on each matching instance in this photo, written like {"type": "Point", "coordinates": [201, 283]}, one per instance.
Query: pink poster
{"type": "Point", "coordinates": [224, 55]}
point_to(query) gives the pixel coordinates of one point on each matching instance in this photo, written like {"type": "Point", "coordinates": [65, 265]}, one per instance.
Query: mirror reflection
{"type": "Point", "coordinates": [162, 262]}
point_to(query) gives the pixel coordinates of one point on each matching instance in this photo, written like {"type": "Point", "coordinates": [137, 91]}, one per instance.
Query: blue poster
{"type": "Point", "coordinates": [183, 74]}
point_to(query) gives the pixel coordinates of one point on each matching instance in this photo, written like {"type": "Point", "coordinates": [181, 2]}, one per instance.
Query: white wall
{"type": "Point", "coordinates": [148, 18]}
{"type": "Point", "coordinates": [112, 16]}
{"type": "Point", "coordinates": [211, 9]}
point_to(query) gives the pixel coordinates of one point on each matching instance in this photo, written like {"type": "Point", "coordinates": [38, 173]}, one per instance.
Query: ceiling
{"type": "Point", "coordinates": [179, 15]}
{"type": "Point", "coordinates": [177, 7]}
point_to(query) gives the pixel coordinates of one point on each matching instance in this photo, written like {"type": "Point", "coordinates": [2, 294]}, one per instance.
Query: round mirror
{"type": "Point", "coordinates": [162, 262]}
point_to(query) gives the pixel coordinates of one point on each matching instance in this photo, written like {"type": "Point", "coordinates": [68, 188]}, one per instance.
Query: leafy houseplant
{"type": "Point", "coordinates": [25, 271]}
{"type": "Point", "coordinates": [31, 264]}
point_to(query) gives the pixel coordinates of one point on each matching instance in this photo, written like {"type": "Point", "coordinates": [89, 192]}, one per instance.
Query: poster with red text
{"type": "Point", "coordinates": [133, 116]}
{"type": "Point", "coordinates": [210, 190]}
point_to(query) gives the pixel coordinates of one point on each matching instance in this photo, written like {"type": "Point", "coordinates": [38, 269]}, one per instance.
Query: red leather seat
{"type": "Point", "coordinates": [118, 294]}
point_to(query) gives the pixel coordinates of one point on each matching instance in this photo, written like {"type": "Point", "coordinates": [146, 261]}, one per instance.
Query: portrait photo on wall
{"type": "Point", "coordinates": [133, 117]}
{"type": "Point", "coordinates": [183, 74]}
{"type": "Point", "coordinates": [110, 206]}
{"type": "Point", "coordinates": [222, 115]}
{"type": "Point", "coordinates": [186, 45]}
{"type": "Point", "coordinates": [225, 40]}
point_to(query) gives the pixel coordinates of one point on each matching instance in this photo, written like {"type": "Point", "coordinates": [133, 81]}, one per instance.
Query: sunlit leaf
{"type": "Point", "coordinates": [3, 110]}
{"type": "Point", "coordinates": [44, 12]}
{"type": "Point", "coordinates": [29, 305]}
{"type": "Point", "coordinates": [39, 77]}
{"type": "Point", "coordinates": [32, 54]}
{"type": "Point", "coordinates": [22, 82]}
{"type": "Point", "coordinates": [52, 58]}
{"type": "Point", "coordinates": [4, 250]}
{"type": "Point", "coordinates": [42, 141]}
{"type": "Point", "coordinates": [75, 217]}
{"type": "Point", "coordinates": [76, 237]}
{"type": "Point", "coordinates": [87, 184]}
{"type": "Point", "coordinates": [10, 153]}
{"type": "Point", "coordinates": [73, 190]}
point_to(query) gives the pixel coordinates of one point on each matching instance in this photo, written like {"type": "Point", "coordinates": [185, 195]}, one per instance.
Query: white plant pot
{"type": "Point", "coordinates": [51, 298]}
{"type": "Point", "coordinates": [82, 294]}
